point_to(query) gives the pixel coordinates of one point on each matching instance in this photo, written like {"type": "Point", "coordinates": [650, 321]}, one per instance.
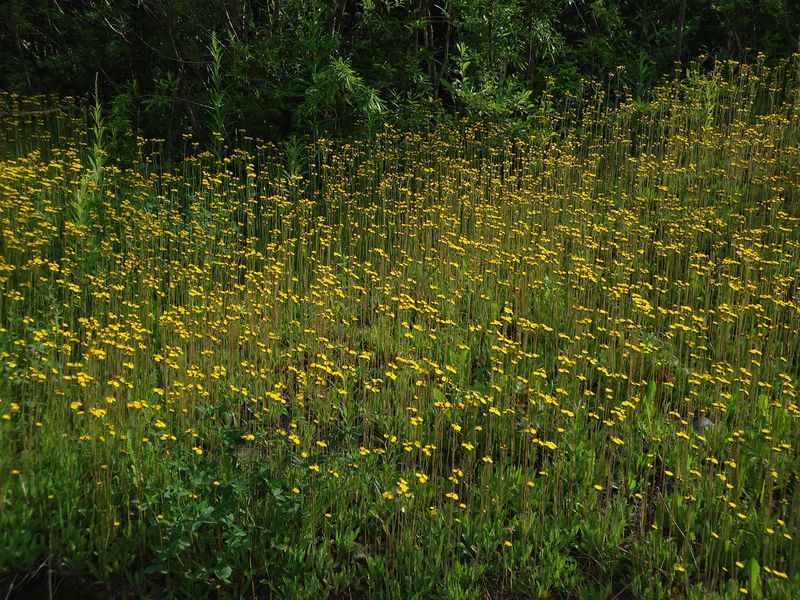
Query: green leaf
{"type": "Point", "coordinates": [651, 392]}
{"type": "Point", "coordinates": [755, 578]}
{"type": "Point", "coordinates": [223, 573]}
{"type": "Point", "coordinates": [438, 395]}
{"type": "Point", "coordinates": [763, 404]}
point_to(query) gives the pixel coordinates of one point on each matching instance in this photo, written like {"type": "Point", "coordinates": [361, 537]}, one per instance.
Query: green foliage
{"type": "Point", "coordinates": [335, 94]}
{"type": "Point", "coordinates": [298, 67]}
{"type": "Point", "coordinates": [219, 102]}
{"type": "Point", "coordinates": [483, 95]}
{"type": "Point", "coordinates": [88, 194]}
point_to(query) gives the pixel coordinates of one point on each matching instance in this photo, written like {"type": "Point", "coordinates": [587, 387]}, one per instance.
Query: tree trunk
{"type": "Point", "coordinates": [679, 42]}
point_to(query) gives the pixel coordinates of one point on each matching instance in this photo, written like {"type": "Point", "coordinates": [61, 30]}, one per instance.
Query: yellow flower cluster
{"type": "Point", "coordinates": [602, 319]}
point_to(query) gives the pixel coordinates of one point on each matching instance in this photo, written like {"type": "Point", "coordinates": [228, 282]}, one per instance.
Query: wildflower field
{"type": "Point", "coordinates": [459, 363]}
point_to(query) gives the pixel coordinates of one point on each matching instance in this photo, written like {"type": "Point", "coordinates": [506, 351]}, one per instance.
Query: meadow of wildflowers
{"type": "Point", "coordinates": [458, 363]}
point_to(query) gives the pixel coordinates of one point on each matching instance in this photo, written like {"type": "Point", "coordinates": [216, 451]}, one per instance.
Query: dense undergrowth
{"type": "Point", "coordinates": [445, 364]}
